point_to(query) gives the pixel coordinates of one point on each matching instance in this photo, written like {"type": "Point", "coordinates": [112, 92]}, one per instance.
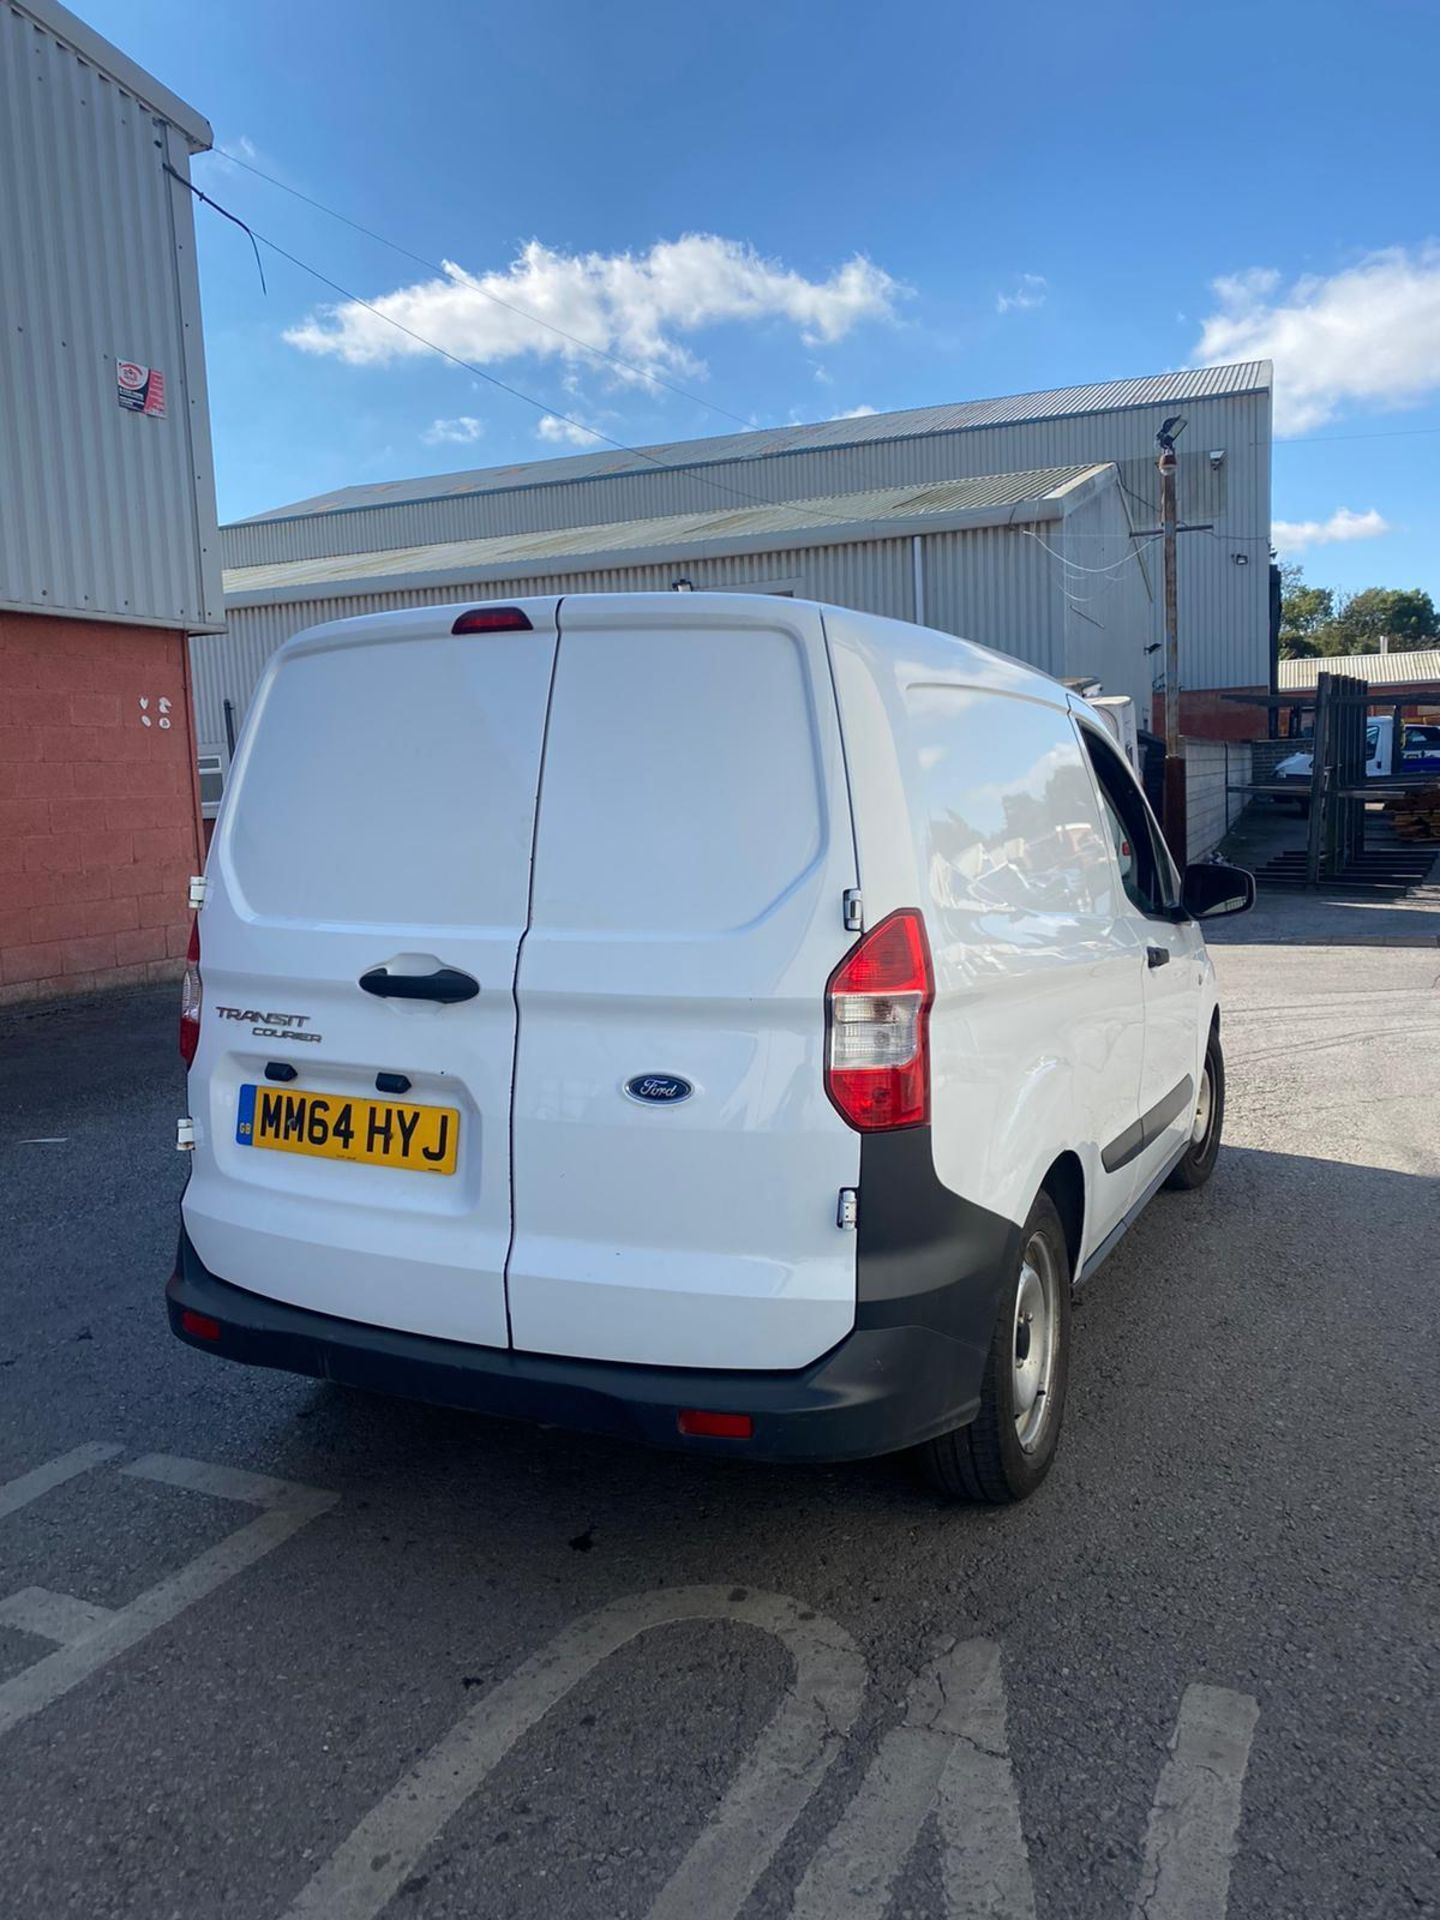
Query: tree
{"type": "Point", "coordinates": [1304, 613]}
{"type": "Point", "coordinates": [1404, 617]}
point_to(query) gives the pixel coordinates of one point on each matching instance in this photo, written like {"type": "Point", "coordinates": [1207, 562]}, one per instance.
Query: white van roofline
{"type": "Point", "coordinates": [939, 656]}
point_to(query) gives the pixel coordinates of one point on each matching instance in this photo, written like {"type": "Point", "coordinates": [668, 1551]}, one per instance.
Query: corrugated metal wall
{"type": "Point", "coordinates": [106, 513]}
{"type": "Point", "coordinates": [995, 585]}
{"type": "Point", "coordinates": [873, 576]}
{"type": "Point", "coordinates": [1108, 584]}
{"type": "Point", "coordinates": [1224, 605]}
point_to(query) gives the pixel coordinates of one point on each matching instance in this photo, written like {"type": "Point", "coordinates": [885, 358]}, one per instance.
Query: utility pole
{"type": "Point", "coordinates": [1174, 821]}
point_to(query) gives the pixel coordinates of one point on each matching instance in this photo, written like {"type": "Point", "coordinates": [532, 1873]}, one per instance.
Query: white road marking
{"type": "Point", "coordinates": [222, 1483]}
{"type": "Point", "coordinates": [983, 1858]}
{"type": "Point", "coordinates": [853, 1875]}
{"type": "Point", "coordinates": [1190, 1841]}
{"type": "Point", "coordinates": [19, 1493]}
{"type": "Point", "coordinates": [776, 1779]}
{"type": "Point", "coordinates": [38, 1686]}
{"type": "Point", "coordinates": [52, 1616]}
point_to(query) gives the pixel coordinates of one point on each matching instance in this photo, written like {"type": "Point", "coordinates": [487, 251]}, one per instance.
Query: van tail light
{"type": "Point", "coordinates": [190, 997]}
{"type": "Point", "coordinates": [877, 1017]}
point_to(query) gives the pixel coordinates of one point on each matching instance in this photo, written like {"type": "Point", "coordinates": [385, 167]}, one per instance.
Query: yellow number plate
{"type": "Point", "coordinates": [377, 1133]}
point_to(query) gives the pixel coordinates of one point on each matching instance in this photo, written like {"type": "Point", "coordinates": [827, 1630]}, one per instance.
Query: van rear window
{"type": "Point", "coordinates": [682, 789]}
{"type": "Point", "coordinates": [393, 784]}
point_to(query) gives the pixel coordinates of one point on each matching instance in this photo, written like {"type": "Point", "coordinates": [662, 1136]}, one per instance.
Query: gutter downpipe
{"type": "Point", "coordinates": [917, 576]}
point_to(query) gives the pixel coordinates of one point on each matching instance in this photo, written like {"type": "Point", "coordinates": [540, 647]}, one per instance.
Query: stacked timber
{"type": "Point", "coordinates": [1415, 814]}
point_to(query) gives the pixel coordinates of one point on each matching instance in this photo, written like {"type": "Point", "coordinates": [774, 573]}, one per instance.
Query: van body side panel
{"type": "Point", "coordinates": [380, 814]}
{"type": "Point", "coordinates": [693, 848]}
{"type": "Point", "coordinates": [972, 801]}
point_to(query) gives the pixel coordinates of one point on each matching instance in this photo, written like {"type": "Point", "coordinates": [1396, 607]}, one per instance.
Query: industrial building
{"type": "Point", "coordinates": [1028, 523]}
{"type": "Point", "coordinates": [108, 549]}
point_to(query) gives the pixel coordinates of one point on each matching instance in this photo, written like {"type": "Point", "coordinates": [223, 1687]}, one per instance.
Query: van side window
{"type": "Point", "coordinates": [1013, 825]}
{"type": "Point", "coordinates": [1145, 869]}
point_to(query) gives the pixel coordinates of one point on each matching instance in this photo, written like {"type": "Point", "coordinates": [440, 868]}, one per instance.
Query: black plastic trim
{"type": "Point", "coordinates": [895, 1381]}
{"type": "Point", "coordinates": [447, 985]}
{"type": "Point", "coordinates": [1145, 1131]}
{"type": "Point", "coordinates": [1117, 1233]}
{"type": "Point", "coordinates": [927, 1258]}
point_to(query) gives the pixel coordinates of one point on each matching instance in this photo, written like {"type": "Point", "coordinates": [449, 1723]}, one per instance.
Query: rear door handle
{"type": "Point", "coordinates": [1154, 957]}
{"type": "Point", "coordinates": [447, 985]}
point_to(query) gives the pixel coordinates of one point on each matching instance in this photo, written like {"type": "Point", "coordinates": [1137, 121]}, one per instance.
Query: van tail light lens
{"type": "Point", "coordinates": [190, 998]}
{"type": "Point", "coordinates": [877, 1016]}
{"type": "Point", "coordinates": [493, 620]}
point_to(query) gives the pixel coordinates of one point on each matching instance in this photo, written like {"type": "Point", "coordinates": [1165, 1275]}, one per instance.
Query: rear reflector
{"type": "Point", "coordinates": [877, 1012]}
{"type": "Point", "coordinates": [199, 1324]}
{"type": "Point", "coordinates": [715, 1426]}
{"type": "Point", "coordinates": [493, 620]}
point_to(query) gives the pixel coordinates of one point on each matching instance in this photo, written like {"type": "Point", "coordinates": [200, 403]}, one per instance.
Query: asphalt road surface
{"type": "Point", "coordinates": [269, 1648]}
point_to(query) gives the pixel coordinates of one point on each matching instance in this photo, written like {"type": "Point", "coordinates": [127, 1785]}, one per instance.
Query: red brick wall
{"type": "Point", "coordinates": [1206, 715]}
{"type": "Point", "coordinates": [99, 813]}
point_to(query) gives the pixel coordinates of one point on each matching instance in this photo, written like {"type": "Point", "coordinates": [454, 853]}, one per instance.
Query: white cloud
{"type": "Point", "coordinates": [1291, 536]}
{"type": "Point", "coordinates": [458, 432]}
{"type": "Point", "coordinates": [857, 413]}
{"type": "Point", "coordinates": [1030, 290]}
{"type": "Point", "coordinates": [634, 305]}
{"type": "Point", "coordinates": [1369, 334]}
{"type": "Point", "coordinates": [568, 433]}
{"type": "Point", "coordinates": [238, 145]}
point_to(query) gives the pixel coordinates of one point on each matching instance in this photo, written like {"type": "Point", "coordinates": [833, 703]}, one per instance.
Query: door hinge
{"type": "Point", "coordinates": [847, 1214]}
{"type": "Point", "coordinates": [184, 1136]}
{"type": "Point", "coordinates": [199, 887]}
{"type": "Point", "coordinates": [854, 911]}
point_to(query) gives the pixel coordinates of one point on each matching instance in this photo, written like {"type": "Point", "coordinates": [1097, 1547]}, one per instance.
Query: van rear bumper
{"type": "Point", "coordinates": [882, 1389]}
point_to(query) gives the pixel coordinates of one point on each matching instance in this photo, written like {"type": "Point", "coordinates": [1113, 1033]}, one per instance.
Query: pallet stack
{"type": "Point", "coordinates": [1415, 814]}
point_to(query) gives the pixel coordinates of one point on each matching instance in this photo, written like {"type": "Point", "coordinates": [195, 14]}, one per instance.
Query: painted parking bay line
{"type": "Point", "coordinates": [1190, 1841]}
{"type": "Point", "coordinates": [284, 1509]}
{"type": "Point", "coordinates": [30, 1486]}
{"type": "Point", "coordinates": [948, 1754]}
{"type": "Point", "coordinates": [770, 1790]}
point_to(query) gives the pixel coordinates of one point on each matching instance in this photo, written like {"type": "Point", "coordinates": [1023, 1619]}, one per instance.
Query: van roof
{"type": "Point", "coordinates": [941, 656]}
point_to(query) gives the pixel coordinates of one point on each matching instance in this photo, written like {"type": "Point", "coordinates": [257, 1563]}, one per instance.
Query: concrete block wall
{"type": "Point", "coordinates": [1211, 768]}
{"type": "Point", "coordinates": [99, 813]}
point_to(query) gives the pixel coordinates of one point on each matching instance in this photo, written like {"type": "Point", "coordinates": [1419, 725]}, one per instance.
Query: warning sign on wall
{"type": "Point", "coordinates": [140, 389]}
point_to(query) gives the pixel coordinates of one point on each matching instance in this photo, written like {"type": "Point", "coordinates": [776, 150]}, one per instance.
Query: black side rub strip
{"type": "Point", "coordinates": [1128, 1145]}
{"type": "Point", "coordinates": [447, 985]}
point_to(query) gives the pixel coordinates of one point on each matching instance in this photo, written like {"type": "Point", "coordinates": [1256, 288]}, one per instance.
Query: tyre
{"type": "Point", "coordinates": [1006, 1451]}
{"type": "Point", "coordinates": [1204, 1148]}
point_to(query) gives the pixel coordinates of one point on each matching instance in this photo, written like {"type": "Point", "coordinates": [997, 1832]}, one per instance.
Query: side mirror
{"type": "Point", "coordinates": [1212, 889]}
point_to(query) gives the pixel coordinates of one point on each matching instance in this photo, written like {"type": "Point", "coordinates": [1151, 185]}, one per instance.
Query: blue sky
{"type": "Point", "coordinates": [879, 207]}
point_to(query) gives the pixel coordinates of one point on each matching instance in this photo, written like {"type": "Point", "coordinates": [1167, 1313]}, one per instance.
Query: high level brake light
{"type": "Point", "coordinates": [190, 995]}
{"type": "Point", "coordinates": [493, 620]}
{"type": "Point", "coordinates": [877, 1046]}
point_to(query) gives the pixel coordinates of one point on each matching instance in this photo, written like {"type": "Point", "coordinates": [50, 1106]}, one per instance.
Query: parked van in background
{"type": "Point", "coordinates": [718, 1019]}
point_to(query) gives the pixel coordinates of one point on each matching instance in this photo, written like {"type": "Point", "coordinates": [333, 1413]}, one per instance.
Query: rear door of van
{"type": "Point", "coordinates": [352, 1129]}
{"type": "Point", "coordinates": [677, 1164]}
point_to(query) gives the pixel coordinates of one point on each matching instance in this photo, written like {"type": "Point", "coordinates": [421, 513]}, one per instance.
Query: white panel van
{"type": "Point", "coordinates": [717, 1019]}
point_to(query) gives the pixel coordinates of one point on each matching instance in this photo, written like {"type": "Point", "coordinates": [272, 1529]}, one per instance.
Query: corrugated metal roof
{"type": "Point", "coordinates": [860, 515]}
{"type": "Point", "coordinates": [1151, 390]}
{"type": "Point", "coordinates": [1380, 669]}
